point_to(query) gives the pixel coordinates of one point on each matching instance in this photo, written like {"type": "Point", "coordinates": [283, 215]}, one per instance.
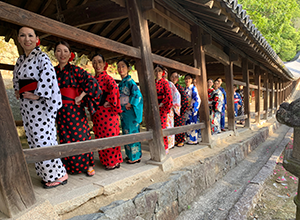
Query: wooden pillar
{"type": "Point", "coordinates": [16, 191]}
{"type": "Point", "coordinates": [271, 94]}
{"type": "Point", "coordinates": [281, 91]}
{"type": "Point", "coordinates": [276, 80]}
{"type": "Point", "coordinates": [230, 100]}
{"type": "Point", "coordinates": [201, 82]}
{"type": "Point", "coordinates": [141, 39]}
{"type": "Point", "coordinates": [257, 93]}
{"type": "Point", "coordinates": [245, 72]}
{"type": "Point", "coordinates": [266, 94]}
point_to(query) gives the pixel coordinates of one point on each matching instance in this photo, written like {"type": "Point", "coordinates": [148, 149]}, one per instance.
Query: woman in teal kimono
{"type": "Point", "coordinates": [132, 110]}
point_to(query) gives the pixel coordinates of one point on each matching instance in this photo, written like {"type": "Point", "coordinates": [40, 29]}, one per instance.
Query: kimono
{"type": "Point", "coordinates": [131, 119]}
{"type": "Point", "coordinates": [179, 118]}
{"type": "Point", "coordinates": [35, 73]}
{"type": "Point", "coordinates": [191, 116]}
{"type": "Point", "coordinates": [72, 122]}
{"type": "Point", "coordinates": [237, 101]}
{"type": "Point", "coordinates": [217, 106]}
{"type": "Point", "coordinates": [210, 92]}
{"type": "Point", "coordinates": [241, 110]}
{"type": "Point", "coordinates": [164, 95]}
{"type": "Point", "coordinates": [175, 110]}
{"type": "Point", "coordinates": [223, 108]}
{"type": "Point", "coordinates": [106, 120]}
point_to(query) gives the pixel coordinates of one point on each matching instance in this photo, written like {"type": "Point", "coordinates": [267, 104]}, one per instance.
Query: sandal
{"type": "Point", "coordinates": [112, 168]}
{"type": "Point", "coordinates": [192, 143]}
{"type": "Point", "coordinates": [133, 162]}
{"type": "Point", "coordinates": [90, 173]}
{"type": "Point", "coordinates": [180, 145]}
{"type": "Point", "coordinates": [56, 181]}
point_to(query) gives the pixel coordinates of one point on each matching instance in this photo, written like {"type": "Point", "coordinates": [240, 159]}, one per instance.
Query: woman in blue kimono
{"type": "Point", "coordinates": [217, 106]}
{"type": "Point", "coordinates": [132, 110]}
{"type": "Point", "coordinates": [237, 101]}
{"type": "Point", "coordinates": [191, 115]}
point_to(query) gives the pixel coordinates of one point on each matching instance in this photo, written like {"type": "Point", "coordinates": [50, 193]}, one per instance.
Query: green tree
{"type": "Point", "coordinates": [276, 21]}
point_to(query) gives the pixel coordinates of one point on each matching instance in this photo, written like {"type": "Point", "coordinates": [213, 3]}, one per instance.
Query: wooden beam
{"type": "Point", "coordinates": [93, 12]}
{"type": "Point", "coordinates": [207, 3]}
{"type": "Point", "coordinates": [182, 129]}
{"type": "Point", "coordinates": [141, 38]}
{"type": "Point", "coordinates": [15, 183]}
{"type": "Point", "coordinates": [228, 69]}
{"type": "Point", "coordinates": [206, 39]}
{"type": "Point", "coordinates": [266, 94]}
{"type": "Point", "coordinates": [257, 93]}
{"type": "Point", "coordinates": [167, 43]}
{"type": "Point", "coordinates": [75, 148]}
{"type": "Point", "coordinates": [217, 53]}
{"type": "Point", "coordinates": [201, 82]}
{"type": "Point", "coordinates": [6, 67]}
{"type": "Point", "coordinates": [246, 88]}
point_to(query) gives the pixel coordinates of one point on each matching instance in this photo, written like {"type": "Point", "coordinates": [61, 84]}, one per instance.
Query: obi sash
{"type": "Point", "coordinates": [160, 97]}
{"type": "Point", "coordinates": [69, 95]}
{"type": "Point", "coordinates": [27, 85]}
{"type": "Point", "coordinates": [103, 98]}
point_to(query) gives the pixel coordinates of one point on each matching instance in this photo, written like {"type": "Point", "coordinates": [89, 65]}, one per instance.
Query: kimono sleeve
{"type": "Point", "coordinates": [184, 100]}
{"type": "Point", "coordinates": [167, 101]}
{"type": "Point", "coordinates": [113, 96]}
{"type": "Point", "coordinates": [136, 100]}
{"type": "Point", "coordinates": [196, 99]}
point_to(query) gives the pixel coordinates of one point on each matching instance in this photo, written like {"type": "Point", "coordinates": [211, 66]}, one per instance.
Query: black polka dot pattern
{"type": "Point", "coordinates": [39, 115]}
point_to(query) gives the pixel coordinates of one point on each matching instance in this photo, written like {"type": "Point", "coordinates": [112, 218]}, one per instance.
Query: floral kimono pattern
{"type": "Point", "coordinates": [217, 105]}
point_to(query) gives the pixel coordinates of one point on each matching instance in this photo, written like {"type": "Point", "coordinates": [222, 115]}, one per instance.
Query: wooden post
{"type": "Point", "coordinates": [271, 94]}
{"type": "Point", "coordinates": [245, 72]}
{"type": "Point", "coordinates": [257, 93]}
{"type": "Point", "coordinates": [201, 82]}
{"type": "Point", "coordinates": [277, 93]}
{"type": "Point", "coordinates": [266, 95]}
{"type": "Point", "coordinates": [140, 38]}
{"type": "Point", "coordinates": [281, 91]}
{"type": "Point", "coordinates": [16, 191]}
{"type": "Point", "coordinates": [230, 100]}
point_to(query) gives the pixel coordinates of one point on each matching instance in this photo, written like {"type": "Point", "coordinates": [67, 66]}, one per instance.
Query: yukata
{"type": "Point", "coordinates": [241, 110]}
{"type": "Point", "coordinates": [164, 95]}
{"type": "Point", "coordinates": [36, 74]}
{"type": "Point", "coordinates": [191, 115]}
{"type": "Point", "coordinates": [175, 110]}
{"type": "Point", "coordinates": [223, 108]}
{"type": "Point", "coordinates": [210, 92]}
{"type": "Point", "coordinates": [237, 101]}
{"type": "Point", "coordinates": [217, 105]}
{"type": "Point", "coordinates": [179, 118]}
{"type": "Point", "coordinates": [106, 120]}
{"type": "Point", "coordinates": [72, 122]}
{"type": "Point", "coordinates": [131, 119]}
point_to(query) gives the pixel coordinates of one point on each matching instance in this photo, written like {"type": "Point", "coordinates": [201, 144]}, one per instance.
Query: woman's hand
{"type": "Point", "coordinates": [79, 98]}
{"type": "Point", "coordinates": [106, 105]}
{"type": "Point", "coordinates": [161, 105]}
{"type": "Point", "coordinates": [30, 95]}
{"type": "Point", "coordinates": [17, 95]}
{"type": "Point", "coordinates": [128, 106]}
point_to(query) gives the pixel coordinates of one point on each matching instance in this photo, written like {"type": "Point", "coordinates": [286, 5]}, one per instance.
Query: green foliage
{"type": "Point", "coordinates": [276, 21]}
{"type": "Point", "coordinates": [181, 81]}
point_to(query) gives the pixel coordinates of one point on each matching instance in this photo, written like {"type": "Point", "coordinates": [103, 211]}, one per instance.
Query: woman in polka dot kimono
{"type": "Point", "coordinates": [35, 84]}
{"type": "Point", "coordinates": [78, 89]}
{"type": "Point", "coordinates": [132, 110]}
{"type": "Point", "coordinates": [106, 119]}
{"type": "Point", "coordinates": [192, 112]}
{"type": "Point", "coordinates": [217, 106]}
{"type": "Point", "coordinates": [164, 95]}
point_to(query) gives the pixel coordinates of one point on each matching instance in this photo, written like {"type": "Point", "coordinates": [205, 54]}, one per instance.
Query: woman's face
{"type": "Point", "coordinates": [122, 69]}
{"type": "Point", "coordinates": [98, 64]}
{"type": "Point", "coordinates": [217, 84]}
{"type": "Point", "coordinates": [158, 72]}
{"type": "Point", "coordinates": [62, 54]}
{"type": "Point", "coordinates": [210, 83]}
{"type": "Point", "coordinates": [188, 81]}
{"type": "Point", "coordinates": [27, 39]}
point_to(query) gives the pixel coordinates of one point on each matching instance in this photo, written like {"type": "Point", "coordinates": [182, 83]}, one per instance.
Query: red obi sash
{"type": "Point", "coordinates": [68, 95]}
{"type": "Point", "coordinates": [27, 85]}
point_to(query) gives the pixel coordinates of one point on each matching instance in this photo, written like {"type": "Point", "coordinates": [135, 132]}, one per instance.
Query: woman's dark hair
{"type": "Point", "coordinates": [26, 27]}
{"type": "Point", "coordinates": [160, 66]}
{"type": "Point", "coordinates": [190, 75]}
{"type": "Point", "coordinates": [210, 79]}
{"type": "Point", "coordinates": [63, 43]}
{"type": "Point", "coordinates": [125, 61]}
{"type": "Point", "coordinates": [100, 55]}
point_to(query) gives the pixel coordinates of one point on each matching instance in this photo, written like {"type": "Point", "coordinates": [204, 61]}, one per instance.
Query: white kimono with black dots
{"type": "Point", "coordinates": [39, 115]}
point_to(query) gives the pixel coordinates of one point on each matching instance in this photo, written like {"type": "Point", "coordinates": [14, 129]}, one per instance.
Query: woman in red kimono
{"type": "Point", "coordinates": [106, 119]}
{"type": "Point", "coordinates": [78, 89]}
{"type": "Point", "coordinates": [164, 96]}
